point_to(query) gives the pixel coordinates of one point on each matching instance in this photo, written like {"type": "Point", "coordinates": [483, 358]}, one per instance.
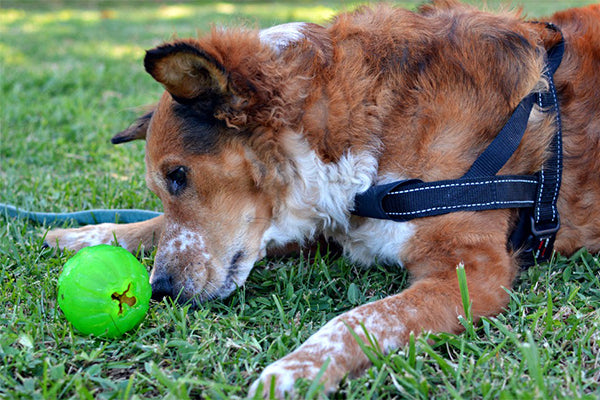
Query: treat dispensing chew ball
{"type": "Point", "coordinates": [104, 290]}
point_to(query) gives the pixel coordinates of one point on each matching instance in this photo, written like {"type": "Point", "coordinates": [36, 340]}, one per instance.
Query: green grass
{"type": "Point", "coordinates": [71, 76]}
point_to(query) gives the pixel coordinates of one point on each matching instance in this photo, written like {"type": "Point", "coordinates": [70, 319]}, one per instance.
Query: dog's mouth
{"type": "Point", "coordinates": [233, 273]}
{"type": "Point", "coordinates": [192, 292]}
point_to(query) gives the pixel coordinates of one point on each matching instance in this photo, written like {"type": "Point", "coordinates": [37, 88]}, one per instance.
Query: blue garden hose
{"type": "Point", "coordinates": [81, 217]}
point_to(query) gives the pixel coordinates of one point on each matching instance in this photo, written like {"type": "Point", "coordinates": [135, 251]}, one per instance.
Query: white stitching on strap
{"type": "Point", "coordinates": [463, 205]}
{"type": "Point", "coordinates": [462, 184]}
{"type": "Point", "coordinates": [537, 209]}
{"type": "Point", "coordinates": [559, 150]}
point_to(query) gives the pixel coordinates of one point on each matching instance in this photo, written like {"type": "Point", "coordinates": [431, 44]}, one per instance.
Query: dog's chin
{"type": "Point", "coordinates": [195, 300]}
{"type": "Point", "coordinates": [235, 278]}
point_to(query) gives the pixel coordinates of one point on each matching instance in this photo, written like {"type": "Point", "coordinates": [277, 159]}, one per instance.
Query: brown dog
{"type": "Point", "coordinates": [264, 138]}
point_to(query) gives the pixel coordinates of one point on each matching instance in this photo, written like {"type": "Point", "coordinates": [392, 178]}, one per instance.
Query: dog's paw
{"type": "Point", "coordinates": [78, 238]}
{"type": "Point", "coordinates": [278, 380]}
{"type": "Point", "coordinates": [275, 382]}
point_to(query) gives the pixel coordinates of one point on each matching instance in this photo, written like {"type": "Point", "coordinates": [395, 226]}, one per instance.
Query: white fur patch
{"type": "Point", "coordinates": [327, 340]}
{"type": "Point", "coordinates": [88, 238]}
{"type": "Point", "coordinates": [184, 240]}
{"type": "Point", "coordinates": [281, 36]}
{"type": "Point", "coordinates": [285, 377]}
{"type": "Point", "coordinates": [91, 235]}
{"type": "Point", "coordinates": [321, 195]}
{"type": "Point", "coordinates": [377, 240]}
{"type": "Point", "coordinates": [371, 319]}
{"type": "Point", "coordinates": [320, 200]}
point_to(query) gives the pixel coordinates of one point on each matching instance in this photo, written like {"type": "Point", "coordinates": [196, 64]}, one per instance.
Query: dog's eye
{"type": "Point", "coordinates": [177, 180]}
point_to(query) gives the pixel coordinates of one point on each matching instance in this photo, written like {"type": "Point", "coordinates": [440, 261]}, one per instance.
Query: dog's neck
{"type": "Point", "coordinates": [320, 194]}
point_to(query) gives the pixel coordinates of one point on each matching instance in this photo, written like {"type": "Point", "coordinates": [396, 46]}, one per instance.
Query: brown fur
{"type": "Point", "coordinates": [424, 92]}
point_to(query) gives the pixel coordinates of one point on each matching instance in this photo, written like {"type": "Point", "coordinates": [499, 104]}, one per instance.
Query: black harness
{"type": "Point", "coordinates": [481, 189]}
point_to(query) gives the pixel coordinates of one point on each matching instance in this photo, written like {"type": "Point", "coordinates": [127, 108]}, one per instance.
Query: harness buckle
{"type": "Point", "coordinates": [539, 245]}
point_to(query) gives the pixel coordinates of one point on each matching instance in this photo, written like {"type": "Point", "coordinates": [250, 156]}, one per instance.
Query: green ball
{"type": "Point", "coordinates": [104, 291]}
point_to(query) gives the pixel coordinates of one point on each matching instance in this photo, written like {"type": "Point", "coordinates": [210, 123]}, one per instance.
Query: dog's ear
{"type": "Point", "coordinates": [136, 131]}
{"type": "Point", "coordinates": [186, 71]}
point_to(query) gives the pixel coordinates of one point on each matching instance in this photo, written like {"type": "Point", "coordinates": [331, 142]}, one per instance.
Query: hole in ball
{"type": "Point", "coordinates": [124, 299]}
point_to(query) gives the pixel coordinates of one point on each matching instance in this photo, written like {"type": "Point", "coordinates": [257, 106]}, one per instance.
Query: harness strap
{"type": "Point", "coordinates": [410, 199]}
{"type": "Point", "coordinates": [537, 227]}
{"type": "Point", "coordinates": [505, 143]}
{"type": "Point", "coordinates": [481, 189]}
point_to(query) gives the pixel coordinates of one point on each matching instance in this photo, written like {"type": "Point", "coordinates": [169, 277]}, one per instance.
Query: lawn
{"type": "Point", "coordinates": [71, 76]}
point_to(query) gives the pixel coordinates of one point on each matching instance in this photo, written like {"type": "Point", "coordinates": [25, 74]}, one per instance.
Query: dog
{"type": "Point", "coordinates": [263, 139]}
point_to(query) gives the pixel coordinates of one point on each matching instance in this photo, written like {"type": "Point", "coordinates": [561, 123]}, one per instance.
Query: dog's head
{"type": "Point", "coordinates": [216, 157]}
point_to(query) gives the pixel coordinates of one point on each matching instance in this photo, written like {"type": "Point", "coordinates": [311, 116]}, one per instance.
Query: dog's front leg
{"type": "Point", "coordinates": [129, 236]}
{"type": "Point", "coordinates": [432, 304]}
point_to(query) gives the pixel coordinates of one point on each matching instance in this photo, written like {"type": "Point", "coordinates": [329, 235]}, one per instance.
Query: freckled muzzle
{"type": "Point", "coordinates": [198, 282]}
{"type": "Point", "coordinates": [182, 267]}
{"type": "Point", "coordinates": [185, 271]}
{"type": "Point", "coordinates": [184, 282]}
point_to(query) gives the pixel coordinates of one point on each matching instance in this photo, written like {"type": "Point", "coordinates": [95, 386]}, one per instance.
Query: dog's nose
{"type": "Point", "coordinates": [162, 287]}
